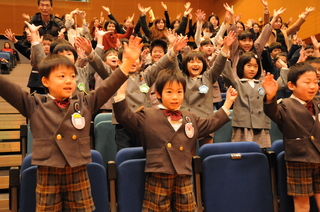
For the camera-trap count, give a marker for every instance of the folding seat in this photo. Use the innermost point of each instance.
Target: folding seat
(97, 177)
(131, 179)
(104, 137)
(235, 177)
(277, 146)
(6, 67)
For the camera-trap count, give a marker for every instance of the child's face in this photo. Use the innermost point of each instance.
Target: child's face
(274, 52)
(246, 44)
(172, 95)
(306, 86)
(176, 25)
(6, 45)
(278, 64)
(195, 67)
(317, 67)
(61, 82)
(160, 25)
(256, 28)
(207, 49)
(68, 54)
(310, 52)
(111, 27)
(157, 53)
(46, 46)
(112, 60)
(250, 69)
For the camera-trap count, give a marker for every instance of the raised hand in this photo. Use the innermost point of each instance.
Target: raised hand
(171, 36)
(231, 96)
(10, 36)
(61, 33)
(270, 86)
(107, 9)
(32, 27)
(309, 9)
(230, 38)
(84, 44)
(187, 12)
(180, 43)
(265, 3)
(201, 16)
(164, 6)
(187, 5)
(229, 9)
(143, 10)
(26, 16)
(132, 50)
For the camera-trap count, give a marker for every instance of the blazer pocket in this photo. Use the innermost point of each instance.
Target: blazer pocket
(41, 148)
(154, 158)
(296, 147)
(85, 147)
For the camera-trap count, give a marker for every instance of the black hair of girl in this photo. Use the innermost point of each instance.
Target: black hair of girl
(244, 59)
(169, 75)
(216, 16)
(280, 54)
(244, 35)
(173, 22)
(109, 22)
(65, 47)
(242, 24)
(206, 42)
(157, 20)
(191, 56)
(276, 20)
(53, 61)
(4, 45)
(208, 25)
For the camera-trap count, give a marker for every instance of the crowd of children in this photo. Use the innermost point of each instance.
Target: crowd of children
(77, 70)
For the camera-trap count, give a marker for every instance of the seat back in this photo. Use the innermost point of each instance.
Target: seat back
(277, 146)
(97, 177)
(224, 133)
(131, 179)
(286, 201)
(228, 147)
(104, 137)
(241, 184)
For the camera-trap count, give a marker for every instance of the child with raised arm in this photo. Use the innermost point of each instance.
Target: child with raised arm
(60, 125)
(169, 137)
(298, 119)
(249, 123)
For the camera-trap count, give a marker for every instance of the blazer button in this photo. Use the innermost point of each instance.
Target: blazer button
(59, 136)
(169, 145)
(74, 137)
(181, 148)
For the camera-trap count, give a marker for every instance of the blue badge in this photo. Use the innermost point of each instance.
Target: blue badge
(261, 91)
(203, 89)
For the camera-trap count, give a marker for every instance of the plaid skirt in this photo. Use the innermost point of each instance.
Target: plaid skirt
(260, 136)
(303, 179)
(168, 192)
(63, 189)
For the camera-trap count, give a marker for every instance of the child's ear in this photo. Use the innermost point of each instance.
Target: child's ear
(291, 86)
(45, 82)
(158, 95)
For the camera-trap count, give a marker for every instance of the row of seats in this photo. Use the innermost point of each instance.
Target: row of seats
(9, 63)
(228, 177)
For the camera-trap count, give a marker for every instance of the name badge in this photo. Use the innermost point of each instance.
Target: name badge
(261, 91)
(203, 89)
(189, 129)
(78, 121)
(144, 88)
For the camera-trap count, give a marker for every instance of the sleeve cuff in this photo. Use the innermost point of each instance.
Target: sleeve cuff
(119, 98)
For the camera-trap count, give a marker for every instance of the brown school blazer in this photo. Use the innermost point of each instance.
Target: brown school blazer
(167, 151)
(56, 141)
(301, 133)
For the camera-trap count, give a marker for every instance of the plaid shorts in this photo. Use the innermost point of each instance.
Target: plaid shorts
(303, 179)
(168, 192)
(63, 189)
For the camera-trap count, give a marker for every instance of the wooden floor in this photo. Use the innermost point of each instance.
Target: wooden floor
(10, 119)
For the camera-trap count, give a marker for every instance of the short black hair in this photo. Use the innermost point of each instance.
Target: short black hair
(192, 55)
(53, 61)
(169, 75)
(159, 42)
(109, 51)
(208, 25)
(65, 47)
(297, 70)
(205, 42)
(51, 2)
(56, 42)
(49, 37)
(244, 59)
(275, 45)
(280, 54)
(109, 22)
(313, 60)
